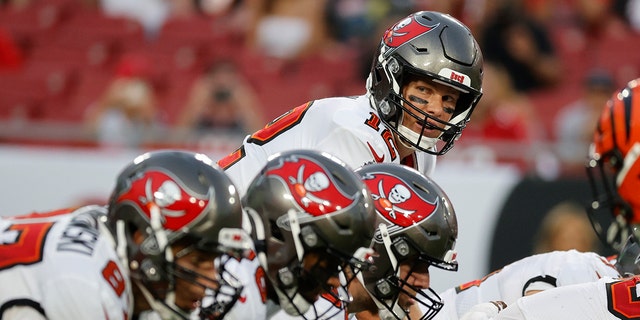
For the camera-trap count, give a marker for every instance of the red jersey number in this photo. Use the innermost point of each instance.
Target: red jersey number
(624, 299)
(273, 129)
(22, 244)
(114, 277)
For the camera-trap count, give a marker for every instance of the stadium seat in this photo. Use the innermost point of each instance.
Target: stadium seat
(20, 98)
(37, 20)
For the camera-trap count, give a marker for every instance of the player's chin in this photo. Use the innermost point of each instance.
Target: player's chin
(188, 305)
(189, 300)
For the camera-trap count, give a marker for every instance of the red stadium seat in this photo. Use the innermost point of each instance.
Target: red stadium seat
(37, 20)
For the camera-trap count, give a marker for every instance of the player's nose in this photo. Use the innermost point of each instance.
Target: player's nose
(420, 280)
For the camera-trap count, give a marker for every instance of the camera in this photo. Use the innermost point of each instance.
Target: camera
(222, 95)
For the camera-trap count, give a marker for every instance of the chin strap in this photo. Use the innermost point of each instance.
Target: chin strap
(425, 142)
(291, 301)
(383, 311)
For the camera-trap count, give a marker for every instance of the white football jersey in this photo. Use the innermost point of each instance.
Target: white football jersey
(605, 299)
(345, 127)
(61, 265)
(536, 272)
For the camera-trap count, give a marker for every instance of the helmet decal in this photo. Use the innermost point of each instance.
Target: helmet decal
(177, 206)
(310, 186)
(396, 202)
(404, 31)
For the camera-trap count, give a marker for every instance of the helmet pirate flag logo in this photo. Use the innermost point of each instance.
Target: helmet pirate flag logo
(177, 207)
(405, 31)
(396, 202)
(310, 186)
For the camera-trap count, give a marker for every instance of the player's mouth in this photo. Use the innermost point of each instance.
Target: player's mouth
(427, 126)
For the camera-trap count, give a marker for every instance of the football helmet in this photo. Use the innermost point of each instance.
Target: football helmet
(613, 168)
(305, 203)
(175, 198)
(429, 45)
(628, 260)
(418, 227)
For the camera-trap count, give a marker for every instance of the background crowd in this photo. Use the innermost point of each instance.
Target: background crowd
(119, 73)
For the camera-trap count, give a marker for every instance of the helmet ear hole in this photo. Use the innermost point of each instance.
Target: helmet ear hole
(388, 110)
(275, 231)
(617, 159)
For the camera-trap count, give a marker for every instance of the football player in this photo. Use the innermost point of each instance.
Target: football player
(149, 251)
(524, 277)
(425, 81)
(311, 217)
(613, 170)
(417, 230)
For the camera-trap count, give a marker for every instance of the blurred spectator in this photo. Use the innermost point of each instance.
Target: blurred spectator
(521, 44)
(358, 24)
(17, 4)
(566, 226)
(288, 29)
(11, 57)
(598, 19)
(351, 21)
(233, 15)
(632, 14)
(503, 120)
(222, 101)
(151, 14)
(125, 115)
(470, 12)
(575, 122)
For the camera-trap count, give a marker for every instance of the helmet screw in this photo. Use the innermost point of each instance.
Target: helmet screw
(286, 277)
(402, 248)
(394, 66)
(385, 108)
(309, 237)
(384, 288)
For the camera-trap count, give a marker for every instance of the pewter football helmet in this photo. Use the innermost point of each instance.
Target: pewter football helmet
(308, 202)
(432, 45)
(169, 198)
(418, 227)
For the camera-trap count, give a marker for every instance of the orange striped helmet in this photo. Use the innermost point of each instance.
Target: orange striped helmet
(613, 167)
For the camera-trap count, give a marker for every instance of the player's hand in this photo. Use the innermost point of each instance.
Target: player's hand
(484, 311)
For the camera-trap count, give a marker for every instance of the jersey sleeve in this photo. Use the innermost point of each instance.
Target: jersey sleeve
(579, 301)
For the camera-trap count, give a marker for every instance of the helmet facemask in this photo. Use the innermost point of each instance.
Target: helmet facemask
(157, 272)
(601, 172)
(217, 303)
(306, 276)
(628, 260)
(395, 107)
(396, 262)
